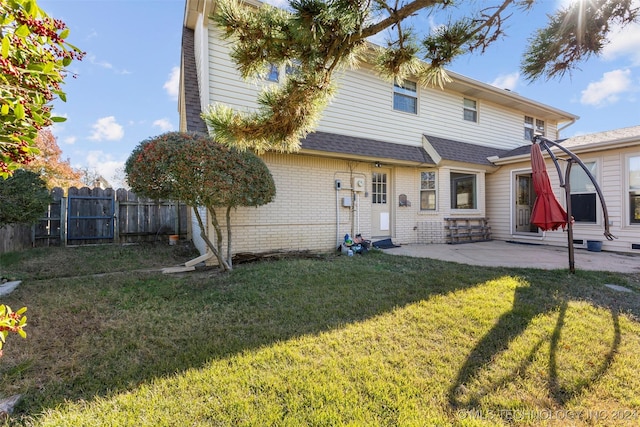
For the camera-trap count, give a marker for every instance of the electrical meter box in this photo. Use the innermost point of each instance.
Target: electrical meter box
(358, 184)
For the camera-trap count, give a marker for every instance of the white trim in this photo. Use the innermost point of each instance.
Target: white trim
(201, 41)
(626, 204)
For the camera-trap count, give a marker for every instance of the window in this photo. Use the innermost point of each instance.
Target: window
(379, 188)
(470, 110)
(405, 97)
(293, 68)
(530, 130)
(463, 191)
(583, 193)
(634, 190)
(427, 191)
(273, 74)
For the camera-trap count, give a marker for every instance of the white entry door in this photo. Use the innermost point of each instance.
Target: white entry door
(381, 203)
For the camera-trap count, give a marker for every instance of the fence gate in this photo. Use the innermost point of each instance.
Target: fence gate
(90, 215)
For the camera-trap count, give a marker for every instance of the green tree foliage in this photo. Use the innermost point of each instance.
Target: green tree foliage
(11, 322)
(34, 57)
(319, 37)
(200, 172)
(23, 198)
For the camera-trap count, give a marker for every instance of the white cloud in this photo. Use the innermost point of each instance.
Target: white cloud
(624, 43)
(506, 81)
(70, 140)
(608, 89)
(172, 85)
(108, 66)
(164, 125)
(103, 64)
(108, 129)
(110, 168)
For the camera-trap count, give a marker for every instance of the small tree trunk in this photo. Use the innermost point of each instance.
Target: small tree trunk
(229, 254)
(205, 237)
(216, 225)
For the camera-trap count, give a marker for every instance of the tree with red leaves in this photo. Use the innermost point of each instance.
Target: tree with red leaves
(201, 172)
(48, 164)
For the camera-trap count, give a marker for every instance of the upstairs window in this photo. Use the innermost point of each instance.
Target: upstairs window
(470, 110)
(583, 194)
(463, 191)
(533, 127)
(428, 191)
(405, 97)
(273, 74)
(292, 69)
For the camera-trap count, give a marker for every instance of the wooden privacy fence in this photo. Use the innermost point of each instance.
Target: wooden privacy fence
(94, 215)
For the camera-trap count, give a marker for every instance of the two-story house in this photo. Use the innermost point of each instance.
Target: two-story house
(402, 162)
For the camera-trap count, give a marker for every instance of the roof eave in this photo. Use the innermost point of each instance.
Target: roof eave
(586, 148)
(364, 159)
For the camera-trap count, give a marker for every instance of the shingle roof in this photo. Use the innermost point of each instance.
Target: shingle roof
(520, 151)
(600, 137)
(190, 81)
(334, 143)
(617, 135)
(450, 149)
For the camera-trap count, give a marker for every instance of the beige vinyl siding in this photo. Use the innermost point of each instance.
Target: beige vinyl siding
(611, 177)
(363, 107)
(496, 127)
(614, 186)
(225, 84)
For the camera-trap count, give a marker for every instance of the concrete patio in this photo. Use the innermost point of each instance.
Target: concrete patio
(497, 253)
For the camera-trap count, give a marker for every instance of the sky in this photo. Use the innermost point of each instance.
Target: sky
(125, 90)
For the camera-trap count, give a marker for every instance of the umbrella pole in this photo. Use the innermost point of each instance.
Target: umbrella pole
(567, 192)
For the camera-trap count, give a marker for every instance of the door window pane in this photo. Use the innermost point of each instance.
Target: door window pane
(379, 188)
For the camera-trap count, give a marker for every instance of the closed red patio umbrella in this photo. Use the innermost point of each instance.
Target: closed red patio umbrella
(547, 212)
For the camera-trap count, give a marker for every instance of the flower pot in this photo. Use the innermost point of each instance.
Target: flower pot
(173, 239)
(594, 245)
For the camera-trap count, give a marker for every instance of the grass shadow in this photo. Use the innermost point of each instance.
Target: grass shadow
(512, 324)
(95, 336)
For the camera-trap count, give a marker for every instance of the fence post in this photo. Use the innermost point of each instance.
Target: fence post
(116, 225)
(63, 221)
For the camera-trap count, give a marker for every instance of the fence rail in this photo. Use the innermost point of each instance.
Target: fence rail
(94, 215)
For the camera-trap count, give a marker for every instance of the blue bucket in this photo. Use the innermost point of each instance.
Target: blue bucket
(594, 245)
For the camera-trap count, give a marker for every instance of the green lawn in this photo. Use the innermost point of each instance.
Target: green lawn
(362, 341)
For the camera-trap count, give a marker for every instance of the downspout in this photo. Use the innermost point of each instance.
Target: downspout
(337, 212)
(566, 126)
